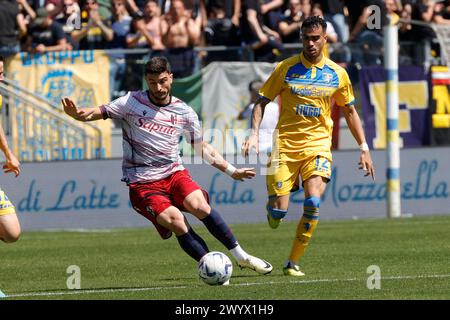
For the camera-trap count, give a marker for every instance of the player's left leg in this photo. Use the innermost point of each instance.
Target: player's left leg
(9, 227)
(314, 188)
(315, 172)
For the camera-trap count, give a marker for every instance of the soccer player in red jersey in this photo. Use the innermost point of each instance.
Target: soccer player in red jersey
(160, 187)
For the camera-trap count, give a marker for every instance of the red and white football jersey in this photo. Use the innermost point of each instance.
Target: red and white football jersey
(151, 135)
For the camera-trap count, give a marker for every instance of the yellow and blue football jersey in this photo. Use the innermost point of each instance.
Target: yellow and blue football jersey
(306, 93)
(6, 207)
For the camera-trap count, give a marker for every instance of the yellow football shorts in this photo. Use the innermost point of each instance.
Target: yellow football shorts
(6, 207)
(284, 171)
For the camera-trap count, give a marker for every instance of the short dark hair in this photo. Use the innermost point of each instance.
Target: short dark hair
(157, 65)
(148, 1)
(313, 22)
(2, 59)
(217, 4)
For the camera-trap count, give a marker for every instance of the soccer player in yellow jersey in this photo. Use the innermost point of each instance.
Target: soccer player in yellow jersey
(9, 224)
(306, 84)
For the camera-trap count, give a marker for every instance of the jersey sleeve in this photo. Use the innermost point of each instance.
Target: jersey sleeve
(116, 109)
(273, 85)
(344, 95)
(192, 128)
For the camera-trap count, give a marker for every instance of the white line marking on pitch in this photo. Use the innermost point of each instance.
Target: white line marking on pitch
(87, 291)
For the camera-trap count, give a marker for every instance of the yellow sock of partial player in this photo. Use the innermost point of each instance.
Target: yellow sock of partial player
(305, 228)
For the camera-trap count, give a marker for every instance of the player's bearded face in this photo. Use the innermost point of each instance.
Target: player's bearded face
(313, 41)
(160, 86)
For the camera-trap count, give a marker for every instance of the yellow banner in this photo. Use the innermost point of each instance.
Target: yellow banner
(81, 75)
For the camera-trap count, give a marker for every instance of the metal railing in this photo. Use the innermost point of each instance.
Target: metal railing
(38, 130)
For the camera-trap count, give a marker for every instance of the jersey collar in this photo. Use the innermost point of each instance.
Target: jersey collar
(157, 104)
(308, 64)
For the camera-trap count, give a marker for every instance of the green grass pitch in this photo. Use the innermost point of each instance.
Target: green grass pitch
(413, 255)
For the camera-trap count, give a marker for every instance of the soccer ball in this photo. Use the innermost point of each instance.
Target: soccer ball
(215, 268)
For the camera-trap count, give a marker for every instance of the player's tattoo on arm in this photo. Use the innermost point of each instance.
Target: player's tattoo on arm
(258, 113)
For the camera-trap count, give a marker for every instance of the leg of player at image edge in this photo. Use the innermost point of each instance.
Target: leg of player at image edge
(2, 295)
(305, 228)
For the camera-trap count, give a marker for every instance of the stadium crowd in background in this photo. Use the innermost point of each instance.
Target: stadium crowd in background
(175, 27)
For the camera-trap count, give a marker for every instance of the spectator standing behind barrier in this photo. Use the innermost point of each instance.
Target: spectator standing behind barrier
(54, 7)
(272, 14)
(25, 17)
(146, 32)
(423, 10)
(332, 35)
(235, 8)
(221, 31)
(232, 8)
(405, 29)
(442, 13)
(120, 25)
(180, 34)
(95, 30)
(290, 25)
(339, 52)
(265, 43)
(334, 12)
(71, 14)
(369, 41)
(391, 11)
(9, 28)
(45, 34)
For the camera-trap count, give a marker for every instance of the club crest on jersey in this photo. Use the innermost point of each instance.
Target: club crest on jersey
(144, 113)
(279, 185)
(327, 77)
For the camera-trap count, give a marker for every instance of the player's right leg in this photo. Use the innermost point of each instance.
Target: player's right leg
(9, 227)
(277, 208)
(9, 223)
(283, 174)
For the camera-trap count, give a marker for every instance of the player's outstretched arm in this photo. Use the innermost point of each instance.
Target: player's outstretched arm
(214, 158)
(354, 124)
(81, 114)
(257, 115)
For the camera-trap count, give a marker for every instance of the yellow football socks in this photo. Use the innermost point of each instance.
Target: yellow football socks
(305, 228)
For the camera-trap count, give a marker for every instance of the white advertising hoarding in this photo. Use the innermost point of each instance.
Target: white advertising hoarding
(89, 194)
